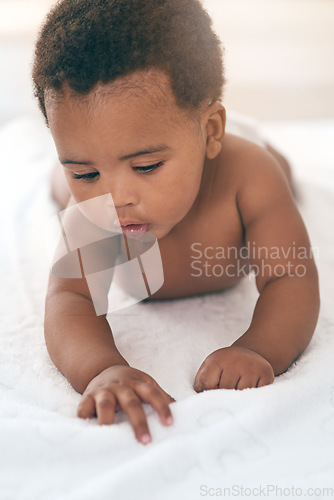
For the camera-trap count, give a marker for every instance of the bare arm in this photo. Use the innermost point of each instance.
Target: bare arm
(79, 342)
(81, 345)
(286, 312)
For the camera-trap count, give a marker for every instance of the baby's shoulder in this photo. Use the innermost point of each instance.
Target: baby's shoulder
(242, 164)
(241, 159)
(254, 177)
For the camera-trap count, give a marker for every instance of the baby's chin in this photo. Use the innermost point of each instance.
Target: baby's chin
(160, 231)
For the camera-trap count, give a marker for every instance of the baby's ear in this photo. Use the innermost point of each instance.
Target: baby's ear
(216, 119)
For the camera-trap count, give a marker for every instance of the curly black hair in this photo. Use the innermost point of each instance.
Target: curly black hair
(85, 42)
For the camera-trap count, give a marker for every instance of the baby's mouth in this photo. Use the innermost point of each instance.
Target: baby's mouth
(134, 227)
(131, 229)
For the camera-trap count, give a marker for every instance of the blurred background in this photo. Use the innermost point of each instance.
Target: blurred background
(279, 56)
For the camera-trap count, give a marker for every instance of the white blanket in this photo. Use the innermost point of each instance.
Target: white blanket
(274, 437)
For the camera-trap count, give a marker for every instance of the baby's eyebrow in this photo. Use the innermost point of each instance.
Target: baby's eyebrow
(147, 151)
(65, 161)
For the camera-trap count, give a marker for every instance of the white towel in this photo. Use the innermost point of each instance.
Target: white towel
(278, 436)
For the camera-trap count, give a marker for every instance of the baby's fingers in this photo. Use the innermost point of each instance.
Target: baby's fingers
(131, 404)
(160, 389)
(86, 407)
(158, 399)
(105, 403)
(266, 379)
(207, 377)
(247, 382)
(101, 404)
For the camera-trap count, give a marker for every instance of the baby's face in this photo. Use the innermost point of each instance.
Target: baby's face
(134, 143)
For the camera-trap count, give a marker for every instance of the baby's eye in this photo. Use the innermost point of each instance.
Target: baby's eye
(149, 168)
(86, 177)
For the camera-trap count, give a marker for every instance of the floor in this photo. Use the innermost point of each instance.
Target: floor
(278, 56)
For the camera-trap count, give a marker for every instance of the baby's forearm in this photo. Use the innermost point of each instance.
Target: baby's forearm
(284, 320)
(79, 343)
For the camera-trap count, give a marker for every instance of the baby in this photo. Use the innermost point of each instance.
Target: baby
(131, 91)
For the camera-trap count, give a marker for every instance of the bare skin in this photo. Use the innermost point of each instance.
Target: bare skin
(207, 188)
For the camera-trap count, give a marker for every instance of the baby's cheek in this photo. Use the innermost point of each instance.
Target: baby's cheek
(182, 204)
(80, 191)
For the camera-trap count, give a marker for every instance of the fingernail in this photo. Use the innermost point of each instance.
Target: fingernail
(146, 438)
(169, 420)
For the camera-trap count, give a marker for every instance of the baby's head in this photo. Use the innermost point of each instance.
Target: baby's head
(85, 42)
(135, 82)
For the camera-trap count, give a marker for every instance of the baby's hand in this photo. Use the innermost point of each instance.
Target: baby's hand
(233, 367)
(123, 387)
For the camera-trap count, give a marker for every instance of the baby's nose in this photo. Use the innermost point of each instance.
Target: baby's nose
(123, 194)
